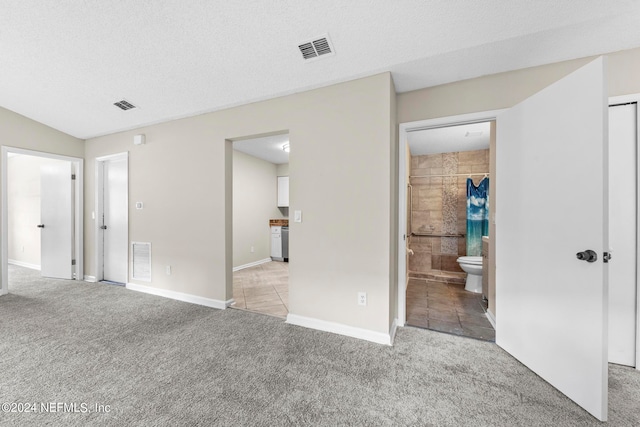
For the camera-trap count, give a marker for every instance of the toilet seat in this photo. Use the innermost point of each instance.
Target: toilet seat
(474, 260)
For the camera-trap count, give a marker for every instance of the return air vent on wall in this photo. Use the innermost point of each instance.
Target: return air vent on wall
(141, 254)
(318, 48)
(124, 105)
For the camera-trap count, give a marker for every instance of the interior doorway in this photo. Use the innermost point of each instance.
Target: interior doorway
(112, 218)
(261, 224)
(449, 171)
(45, 213)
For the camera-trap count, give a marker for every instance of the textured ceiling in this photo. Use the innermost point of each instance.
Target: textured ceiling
(469, 137)
(267, 148)
(64, 63)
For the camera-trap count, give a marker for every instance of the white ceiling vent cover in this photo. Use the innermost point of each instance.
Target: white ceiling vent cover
(319, 47)
(141, 253)
(124, 105)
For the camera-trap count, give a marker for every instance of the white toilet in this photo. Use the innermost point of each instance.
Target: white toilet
(472, 265)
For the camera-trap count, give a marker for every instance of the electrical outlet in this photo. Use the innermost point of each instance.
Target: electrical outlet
(168, 270)
(252, 250)
(362, 298)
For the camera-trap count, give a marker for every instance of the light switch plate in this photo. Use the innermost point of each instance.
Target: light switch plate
(297, 216)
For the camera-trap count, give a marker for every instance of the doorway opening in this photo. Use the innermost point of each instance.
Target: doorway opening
(261, 224)
(42, 214)
(449, 170)
(112, 219)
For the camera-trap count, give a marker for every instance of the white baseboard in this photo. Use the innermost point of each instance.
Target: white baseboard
(24, 264)
(91, 279)
(340, 329)
(193, 299)
(252, 264)
(491, 318)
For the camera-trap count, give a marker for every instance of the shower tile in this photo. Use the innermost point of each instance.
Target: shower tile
(435, 262)
(450, 163)
(449, 263)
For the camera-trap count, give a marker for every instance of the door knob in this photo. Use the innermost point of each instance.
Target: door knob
(40, 225)
(588, 255)
(104, 227)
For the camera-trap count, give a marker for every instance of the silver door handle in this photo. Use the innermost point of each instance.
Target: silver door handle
(40, 225)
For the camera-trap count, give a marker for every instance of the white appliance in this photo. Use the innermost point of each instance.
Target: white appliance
(276, 243)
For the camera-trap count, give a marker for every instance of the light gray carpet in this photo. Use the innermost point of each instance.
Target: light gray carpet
(159, 362)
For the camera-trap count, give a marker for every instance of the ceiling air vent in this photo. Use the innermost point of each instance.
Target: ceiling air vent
(124, 105)
(317, 48)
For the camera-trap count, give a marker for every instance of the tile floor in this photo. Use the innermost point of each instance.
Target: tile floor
(263, 288)
(447, 307)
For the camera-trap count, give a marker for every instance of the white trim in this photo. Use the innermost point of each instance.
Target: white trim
(340, 329)
(90, 279)
(252, 264)
(23, 264)
(78, 249)
(179, 296)
(623, 99)
(404, 128)
(393, 330)
(491, 318)
(99, 189)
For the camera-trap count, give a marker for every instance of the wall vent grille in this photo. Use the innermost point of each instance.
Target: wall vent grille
(141, 254)
(317, 48)
(124, 105)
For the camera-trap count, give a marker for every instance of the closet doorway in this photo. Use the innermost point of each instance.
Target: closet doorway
(112, 218)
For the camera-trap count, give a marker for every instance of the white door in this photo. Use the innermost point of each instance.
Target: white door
(551, 183)
(114, 226)
(622, 233)
(56, 220)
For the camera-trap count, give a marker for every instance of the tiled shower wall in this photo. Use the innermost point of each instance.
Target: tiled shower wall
(439, 206)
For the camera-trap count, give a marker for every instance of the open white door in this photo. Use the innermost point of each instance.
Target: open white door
(552, 204)
(56, 220)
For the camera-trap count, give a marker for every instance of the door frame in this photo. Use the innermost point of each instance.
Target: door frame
(78, 165)
(624, 99)
(99, 209)
(405, 128)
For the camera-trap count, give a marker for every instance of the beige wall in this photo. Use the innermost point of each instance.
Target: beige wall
(254, 203)
(340, 172)
(283, 169)
(21, 132)
(23, 208)
(507, 89)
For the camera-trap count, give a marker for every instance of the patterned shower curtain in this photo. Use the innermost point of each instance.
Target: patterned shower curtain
(477, 215)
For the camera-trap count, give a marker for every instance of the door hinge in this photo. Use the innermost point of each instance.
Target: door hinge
(73, 176)
(73, 262)
(606, 256)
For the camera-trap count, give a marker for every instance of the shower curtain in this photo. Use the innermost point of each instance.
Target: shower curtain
(477, 215)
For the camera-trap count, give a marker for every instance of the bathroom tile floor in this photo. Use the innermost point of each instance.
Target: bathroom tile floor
(447, 307)
(263, 289)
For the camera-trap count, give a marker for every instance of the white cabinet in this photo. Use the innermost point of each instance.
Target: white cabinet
(276, 243)
(283, 191)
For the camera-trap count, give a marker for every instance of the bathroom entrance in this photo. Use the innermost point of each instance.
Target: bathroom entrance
(448, 205)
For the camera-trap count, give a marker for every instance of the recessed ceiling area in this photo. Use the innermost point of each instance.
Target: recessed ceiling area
(268, 148)
(65, 63)
(468, 137)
